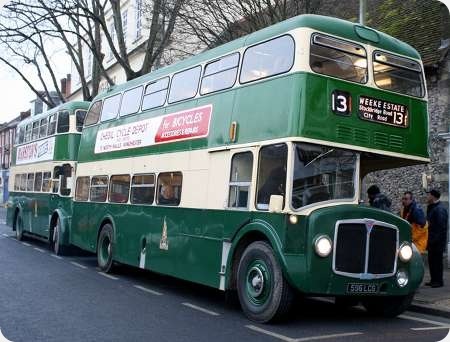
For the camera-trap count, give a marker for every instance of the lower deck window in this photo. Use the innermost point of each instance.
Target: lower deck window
(46, 181)
(82, 189)
(99, 188)
(240, 180)
(169, 188)
(119, 188)
(142, 189)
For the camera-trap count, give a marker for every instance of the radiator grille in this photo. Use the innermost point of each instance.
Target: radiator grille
(365, 249)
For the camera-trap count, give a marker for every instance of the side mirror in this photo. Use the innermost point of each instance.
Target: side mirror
(276, 204)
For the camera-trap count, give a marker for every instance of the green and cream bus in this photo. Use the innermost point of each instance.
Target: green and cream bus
(43, 163)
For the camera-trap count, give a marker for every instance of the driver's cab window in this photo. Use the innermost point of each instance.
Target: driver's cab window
(240, 180)
(271, 174)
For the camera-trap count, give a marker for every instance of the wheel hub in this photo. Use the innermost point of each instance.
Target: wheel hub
(257, 280)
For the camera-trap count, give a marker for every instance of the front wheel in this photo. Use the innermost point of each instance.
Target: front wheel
(263, 292)
(387, 306)
(19, 227)
(105, 248)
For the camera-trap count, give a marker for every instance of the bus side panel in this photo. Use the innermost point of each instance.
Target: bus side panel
(81, 229)
(66, 146)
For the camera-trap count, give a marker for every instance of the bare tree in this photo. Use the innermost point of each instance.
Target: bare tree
(215, 22)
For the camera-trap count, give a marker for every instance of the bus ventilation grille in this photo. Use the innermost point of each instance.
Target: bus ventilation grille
(362, 252)
(352, 135)
(388, 141)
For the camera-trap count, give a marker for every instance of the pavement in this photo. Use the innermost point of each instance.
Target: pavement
(433, 301)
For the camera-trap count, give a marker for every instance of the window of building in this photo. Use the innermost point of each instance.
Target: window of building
(38, 181)
(82, 189)
(99, 188)
(220, 74)
(240, 180)
(21, 135)
(17, 182)
(142, 189)
(338, 58)
(28, 133)
(80, 116)
(398, 74)
(93, 114)
(43, 128)
(119, 188)
(155, 94)
(63, 121)
(46, 181)
(270, 58)
(30, 182)
(138, 14)
(51, 124)
(131, 101)
(23, 182)
(110, 107)
(184, 84)
(125, 26)
(35, 132)
(169, 188)
(271, 174)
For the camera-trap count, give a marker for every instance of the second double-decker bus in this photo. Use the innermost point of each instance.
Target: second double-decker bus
(41, 175)
(241, 168)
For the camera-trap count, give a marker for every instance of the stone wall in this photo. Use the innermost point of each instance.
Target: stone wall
(395, 182)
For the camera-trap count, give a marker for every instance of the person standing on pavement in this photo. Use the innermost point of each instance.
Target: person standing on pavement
(414, 214)
(437, 217)
(377, 199)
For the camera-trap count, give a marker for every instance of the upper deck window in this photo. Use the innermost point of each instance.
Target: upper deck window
(155, 94)
(43, 128)
(131, 101)
(110, 107)
(93, 113)
(52, 124)
(63, 122)
(21, 135)
(28, 133)
(338, 58)
(220, 74)
(270, 58)
(35, 133)
(184, 84)
(80, 116)
(398, 74)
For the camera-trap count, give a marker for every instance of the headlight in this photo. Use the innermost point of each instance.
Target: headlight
(405, 252)
(402, 278)
(323, 246)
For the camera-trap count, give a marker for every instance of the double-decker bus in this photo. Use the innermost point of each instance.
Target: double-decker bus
(240, 168)
(41, 176)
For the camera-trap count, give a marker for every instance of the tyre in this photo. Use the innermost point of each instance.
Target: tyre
(387, 306)
(263, 292)
(19, 227)
(56, 244)
(105, 248)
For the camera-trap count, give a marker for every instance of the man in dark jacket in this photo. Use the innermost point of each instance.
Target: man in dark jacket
(377, 199)
(437, 217)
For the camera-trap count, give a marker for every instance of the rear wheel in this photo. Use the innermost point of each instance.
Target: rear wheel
(387, 306)
(105, 248)
(19, 227)
(263, 292)
(56, 244)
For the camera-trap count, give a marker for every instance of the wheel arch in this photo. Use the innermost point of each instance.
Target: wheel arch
(17, 211)
(257, 230)
(65, 221)
(108, 219)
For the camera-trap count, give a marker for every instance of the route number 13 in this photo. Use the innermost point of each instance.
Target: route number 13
(341, 102)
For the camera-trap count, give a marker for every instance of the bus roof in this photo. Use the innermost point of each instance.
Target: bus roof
(72, 105)
(331, 25)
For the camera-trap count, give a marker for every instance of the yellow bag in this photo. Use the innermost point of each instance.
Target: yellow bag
(420, 236)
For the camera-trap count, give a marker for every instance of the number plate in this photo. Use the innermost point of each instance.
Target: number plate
(362, 288)
(384, 112)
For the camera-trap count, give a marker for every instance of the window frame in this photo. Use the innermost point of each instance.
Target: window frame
(77, 187)
(119, 94)
(49, 180)
(53, 115)
(35, 179)
(35, 126)
(180, 72)
(99, 186)
(58, 121)
(221, 71)
(76, 118)
(143, 186)
(248, 184)
(110, 184)
(271, 75)
(139, 103)
(157, 192)
(366, 55)
(42, 126)
(165, 97)
(99, 113)
(28, 181)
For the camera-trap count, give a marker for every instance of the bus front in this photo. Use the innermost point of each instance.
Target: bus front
(363, 109)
